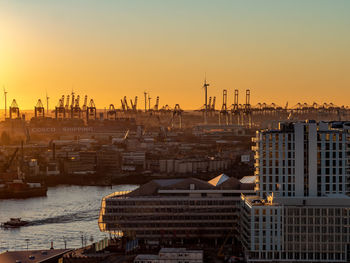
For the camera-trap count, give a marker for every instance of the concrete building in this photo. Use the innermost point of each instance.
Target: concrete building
(303, 159)
(181, 211)
(108, 160)
(134, 159)
(192, 165)
(172, 255)
(301, 212)
(33, 256)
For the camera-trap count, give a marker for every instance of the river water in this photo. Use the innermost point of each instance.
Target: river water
(68, 213)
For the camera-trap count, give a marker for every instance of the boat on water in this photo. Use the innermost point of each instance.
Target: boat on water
(14, 223)
(18, 189)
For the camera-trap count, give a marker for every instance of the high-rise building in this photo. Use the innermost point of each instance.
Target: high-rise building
(303, 159)
(301, 210)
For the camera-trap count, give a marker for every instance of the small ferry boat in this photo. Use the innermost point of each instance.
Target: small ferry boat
(14, 223)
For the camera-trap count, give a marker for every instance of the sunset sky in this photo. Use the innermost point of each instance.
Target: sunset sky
(297, 50)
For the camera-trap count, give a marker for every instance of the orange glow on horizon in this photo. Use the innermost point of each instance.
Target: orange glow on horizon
(114, 50)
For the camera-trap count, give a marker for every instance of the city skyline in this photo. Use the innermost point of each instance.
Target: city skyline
(292, 51)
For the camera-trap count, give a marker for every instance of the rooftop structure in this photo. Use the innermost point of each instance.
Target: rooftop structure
(170, 255)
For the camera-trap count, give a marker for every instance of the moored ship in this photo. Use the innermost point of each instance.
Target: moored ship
(18, 189)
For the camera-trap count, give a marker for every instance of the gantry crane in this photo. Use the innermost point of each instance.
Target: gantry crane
(60, 110)
(14, 110)
(91, 111)
(111, 113)
(75, 109)
(39, 111)
(235, 111)
(224, 112)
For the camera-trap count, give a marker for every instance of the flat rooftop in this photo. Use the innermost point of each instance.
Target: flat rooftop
(178, 250)
(146, 257)
(31, 256)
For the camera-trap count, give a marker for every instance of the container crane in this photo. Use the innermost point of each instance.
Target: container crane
(91, 110)
(14, 110)
(67, 103)
(39, 110)
(126, 104)
(85, 103)
(223, 111)
(60, 110)
(134, 104)
(236, 116)
(111, 113)
(76, 110)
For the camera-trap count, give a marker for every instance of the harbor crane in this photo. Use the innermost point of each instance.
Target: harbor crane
(235, 111)
(111, 113)
(83, 108)
(91, 111)
(156, 106)
(72, 99)
(134, 104)
(60, 110)
(123, 105)
(126, 104)
(75, 109)
(209, 104)
(39, 111)
(149, 103)
(247, 111)
(14, 110)
(212, 107)
(67, 103)
(8, 164)
(224, 112)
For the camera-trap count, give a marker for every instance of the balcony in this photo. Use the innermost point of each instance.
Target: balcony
(255, 148)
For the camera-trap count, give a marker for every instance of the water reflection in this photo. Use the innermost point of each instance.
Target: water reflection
(68, 214)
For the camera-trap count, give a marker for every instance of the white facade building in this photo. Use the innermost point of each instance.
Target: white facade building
(301, 212)
(303, 159)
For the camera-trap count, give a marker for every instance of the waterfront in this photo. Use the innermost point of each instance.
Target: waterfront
(67, 213)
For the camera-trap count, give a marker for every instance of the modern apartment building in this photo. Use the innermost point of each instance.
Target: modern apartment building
(301, 210)
(172, 211)
(303, 159)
